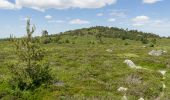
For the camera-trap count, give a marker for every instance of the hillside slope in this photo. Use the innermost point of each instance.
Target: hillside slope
(112, 32)
(83, 68)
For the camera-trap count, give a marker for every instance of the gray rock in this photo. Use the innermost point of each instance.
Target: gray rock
(131, 64)
(157, 52)
(59, 84)
(109, 50)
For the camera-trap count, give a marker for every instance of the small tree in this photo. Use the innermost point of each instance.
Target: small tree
(31, 70)
(144, 40)
(153, 41)
(11, 37)
(44, 33)
(99, 37)
(45, 37)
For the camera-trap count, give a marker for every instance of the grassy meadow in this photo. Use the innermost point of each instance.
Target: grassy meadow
(83, 69)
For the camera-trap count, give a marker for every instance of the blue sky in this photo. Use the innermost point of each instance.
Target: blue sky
(62, 15)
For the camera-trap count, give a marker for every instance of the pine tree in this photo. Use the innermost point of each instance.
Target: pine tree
(45, 33)
(31, 71)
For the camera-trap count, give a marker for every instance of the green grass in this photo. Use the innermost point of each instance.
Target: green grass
(88, 71)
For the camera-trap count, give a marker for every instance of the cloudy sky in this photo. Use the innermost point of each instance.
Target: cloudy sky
(62, 15)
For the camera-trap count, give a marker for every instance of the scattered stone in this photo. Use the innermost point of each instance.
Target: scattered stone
(122, 89)
(144, 46)
(131, 64)
(141, 98)
(109, 50)
(58, 84)
(157, 52)
(165, 52)
(163, 72)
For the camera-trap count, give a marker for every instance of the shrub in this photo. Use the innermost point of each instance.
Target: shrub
(46, 40)
(73, 42)
(153, 41)
(99, 37)
(126, 43)
(123, 38)
(67, 41)
(57, 39)
(144, 40)
(151, 45)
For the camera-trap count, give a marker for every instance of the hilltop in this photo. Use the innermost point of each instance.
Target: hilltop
(112, 32)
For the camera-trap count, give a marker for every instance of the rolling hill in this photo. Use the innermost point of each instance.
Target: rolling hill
(83, 67)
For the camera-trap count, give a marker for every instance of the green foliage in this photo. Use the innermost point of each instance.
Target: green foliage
(31, 71)
(112, 32)
(99, 37)
(67, 41)
(46, 40)
(57, 39)
(153, 41)
(151, 45)
(126, 43)
(144, 40)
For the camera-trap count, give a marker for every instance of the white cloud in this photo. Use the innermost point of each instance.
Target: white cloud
(100, 14)
(48, 17)
(150, 22)
(63, 4)
(118, 13)
(56, 21)
(56, 4)
(140, 20)
(79, 21)
(157, 26)
(5, 4)
(151, 1)
(112, 20)
(157, 22)
(160, 23)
